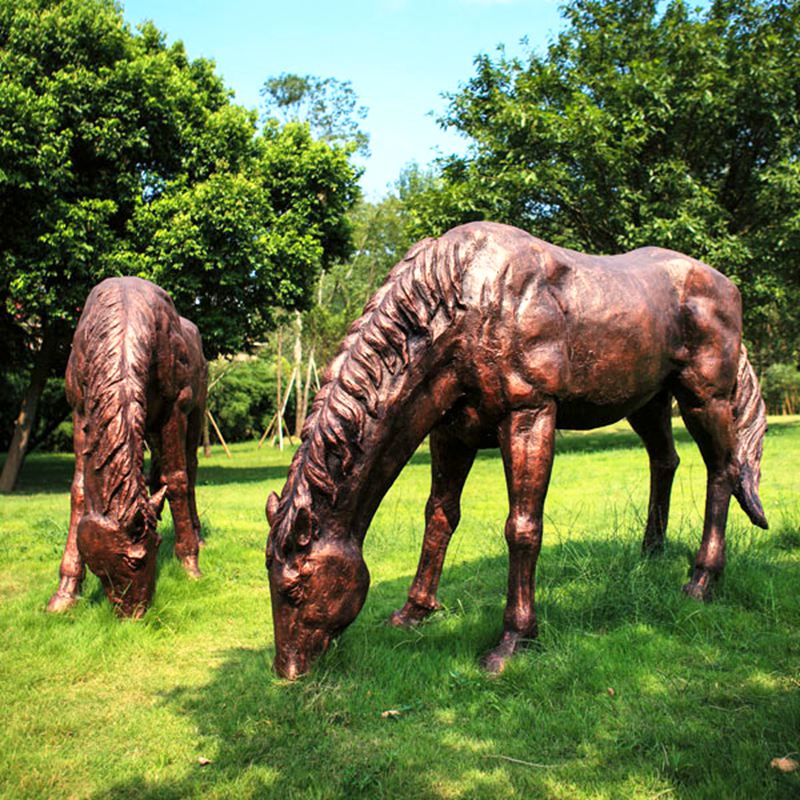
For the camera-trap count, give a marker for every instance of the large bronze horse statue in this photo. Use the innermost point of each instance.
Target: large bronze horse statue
(485, 337)
(136, 372)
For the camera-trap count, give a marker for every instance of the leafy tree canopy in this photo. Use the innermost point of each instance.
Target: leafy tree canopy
(381, 236)
(328, 106)
(120, 155)
(645, 124)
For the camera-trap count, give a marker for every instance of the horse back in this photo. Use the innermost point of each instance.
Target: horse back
(599, 334)
(130, 326)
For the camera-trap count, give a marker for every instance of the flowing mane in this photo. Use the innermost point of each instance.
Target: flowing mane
(428, 280)
(116, 376)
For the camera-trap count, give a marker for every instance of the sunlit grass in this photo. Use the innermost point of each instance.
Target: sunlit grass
(632, 691)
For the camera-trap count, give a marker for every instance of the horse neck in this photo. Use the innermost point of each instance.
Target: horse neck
(390, 383)
(409, 403)
(115, 418)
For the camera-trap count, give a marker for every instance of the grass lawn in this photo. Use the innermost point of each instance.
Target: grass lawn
(633, 692)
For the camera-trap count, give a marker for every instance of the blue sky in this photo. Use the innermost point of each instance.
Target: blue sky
(400, 56)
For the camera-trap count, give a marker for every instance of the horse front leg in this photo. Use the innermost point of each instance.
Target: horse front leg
(527, 441)
(711, 426)
(451, 461)
(653, 424)
(176, 475)
(72, 570)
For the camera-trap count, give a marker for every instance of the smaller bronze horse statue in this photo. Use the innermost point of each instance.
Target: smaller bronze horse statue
(485, 337)
(136, 372)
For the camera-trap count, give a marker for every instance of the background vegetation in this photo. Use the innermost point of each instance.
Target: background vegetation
(643, 123)
(634, 691)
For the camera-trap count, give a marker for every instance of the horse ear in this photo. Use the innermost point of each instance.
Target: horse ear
(156, 501)
(303, 528)
(272, 507)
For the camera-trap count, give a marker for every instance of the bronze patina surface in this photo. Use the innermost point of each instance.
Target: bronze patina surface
(136, 372)
(488, 336)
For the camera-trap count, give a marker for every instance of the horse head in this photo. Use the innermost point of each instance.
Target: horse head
(122, 552)
(318, 583)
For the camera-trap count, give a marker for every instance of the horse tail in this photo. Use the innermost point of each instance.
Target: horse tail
(751, 426)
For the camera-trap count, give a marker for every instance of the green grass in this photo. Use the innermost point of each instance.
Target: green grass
(703, 696)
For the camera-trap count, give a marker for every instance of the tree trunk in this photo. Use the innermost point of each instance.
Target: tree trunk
(279, 399)
(206, 437)
(27, 415)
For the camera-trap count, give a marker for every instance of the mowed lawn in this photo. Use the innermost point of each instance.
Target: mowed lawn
(632, 692)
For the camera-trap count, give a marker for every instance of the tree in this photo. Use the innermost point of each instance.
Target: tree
(119, 155)
(328, 106)
(646, 123)
(232, 247)
(381, 237)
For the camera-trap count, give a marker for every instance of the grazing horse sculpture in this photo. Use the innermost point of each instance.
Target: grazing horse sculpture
(136, 372)
(490, 336)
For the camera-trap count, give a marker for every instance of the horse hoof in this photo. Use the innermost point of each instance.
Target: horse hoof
(411, 614)
(61, 602)
(191, 566)
(494, 663)
(697, 592)
(399, 619)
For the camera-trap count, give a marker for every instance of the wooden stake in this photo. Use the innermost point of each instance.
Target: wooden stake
(219, 434)
(307, 386)
(316, 374)
(278, 403)
(300, 409)
(283, 412)
(266, 431)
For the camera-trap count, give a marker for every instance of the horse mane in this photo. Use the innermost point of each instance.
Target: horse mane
(115, 378)
(428, 280)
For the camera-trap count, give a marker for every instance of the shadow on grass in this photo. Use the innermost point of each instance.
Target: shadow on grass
(607, 618)
(220, 475)
(45, 473)
(51, 473)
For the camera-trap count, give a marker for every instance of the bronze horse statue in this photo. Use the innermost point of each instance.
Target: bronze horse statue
(488, 336)
(136, 372)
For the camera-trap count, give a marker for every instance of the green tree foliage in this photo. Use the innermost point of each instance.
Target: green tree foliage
(781, 388)
(328, 106)
(646, 123)
(231, 247)
(242, 396)
(119, 155)
(381, 236)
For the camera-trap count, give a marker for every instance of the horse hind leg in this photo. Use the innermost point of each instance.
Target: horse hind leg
(176, 475)
(451, 461)
(711, 424)
(653, 424)
(194, 429)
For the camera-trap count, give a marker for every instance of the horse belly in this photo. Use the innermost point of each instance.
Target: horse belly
(585, 415)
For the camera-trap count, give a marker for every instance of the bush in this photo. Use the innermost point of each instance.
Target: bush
(781, 389)
(243, 399)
